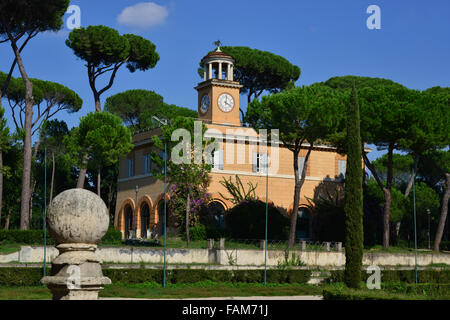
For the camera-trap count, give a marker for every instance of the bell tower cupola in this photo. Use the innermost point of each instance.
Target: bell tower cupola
(218, 93)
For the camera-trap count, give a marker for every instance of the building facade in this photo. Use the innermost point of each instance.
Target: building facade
(140, 198)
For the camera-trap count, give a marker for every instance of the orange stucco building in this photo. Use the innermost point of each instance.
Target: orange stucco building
(140, 197)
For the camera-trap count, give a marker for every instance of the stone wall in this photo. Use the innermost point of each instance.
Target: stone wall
(236, 257)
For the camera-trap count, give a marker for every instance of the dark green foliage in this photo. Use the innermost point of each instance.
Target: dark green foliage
(133, 276)
(112, 236)
(353, 207)
(237, 190)
(103, 46)
(196, 233)
(21, 276)
(247, 221)
(30, 17)
(36, 237)
(187, 275)
(259, 71)
(136, 108)
(102, 136)
(32, 276)
(248, 276)
(49, 98)
(405, 276)
(328, 217)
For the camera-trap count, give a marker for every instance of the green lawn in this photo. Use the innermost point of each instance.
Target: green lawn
(156, 291)
(211, 289)
(6, 248)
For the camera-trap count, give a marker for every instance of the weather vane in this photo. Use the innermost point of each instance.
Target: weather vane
(218, 44)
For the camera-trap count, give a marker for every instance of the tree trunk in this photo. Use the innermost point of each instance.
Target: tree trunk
(387, 197)
(443, 217)
(188, 208)
(83, 170)
(294, 213)
(1, 184)
(8, 215)
(98, 183)
(27, 148)
(53, 176)
(33, 183)
(298, 186)
(98, 106)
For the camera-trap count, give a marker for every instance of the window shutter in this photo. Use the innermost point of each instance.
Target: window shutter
(221, 160)
(265, 164)
(342, 166)
(301, 163)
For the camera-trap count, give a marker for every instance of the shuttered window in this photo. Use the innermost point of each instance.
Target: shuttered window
(342, 167)
(260, 162)
(217, 159)
(146, 163)
(130, 167)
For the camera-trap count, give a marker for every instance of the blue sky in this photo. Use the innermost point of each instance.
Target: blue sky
(325, 38)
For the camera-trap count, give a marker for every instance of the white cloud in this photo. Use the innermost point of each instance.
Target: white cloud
(143, 15)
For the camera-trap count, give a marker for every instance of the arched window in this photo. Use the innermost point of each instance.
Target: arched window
(128, 221)
(217, 212)
(145, 221)
(302, 229)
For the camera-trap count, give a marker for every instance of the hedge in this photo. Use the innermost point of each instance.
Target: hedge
(391, 291)
(32, 276)
(406, 276)
(36, 237)
(24, 236)
(22, 276)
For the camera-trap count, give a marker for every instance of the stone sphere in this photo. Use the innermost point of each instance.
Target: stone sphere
(77, 216)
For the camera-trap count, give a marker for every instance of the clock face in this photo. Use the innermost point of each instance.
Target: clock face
(204, 106)
(226, 102)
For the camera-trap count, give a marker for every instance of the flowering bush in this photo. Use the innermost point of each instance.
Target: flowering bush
(177, 204)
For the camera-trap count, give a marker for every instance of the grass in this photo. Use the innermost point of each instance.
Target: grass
(151, 290)
(390, 291)
(6, 248)
(172, 291)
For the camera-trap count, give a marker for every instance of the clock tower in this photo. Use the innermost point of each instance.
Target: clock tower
(218, 93)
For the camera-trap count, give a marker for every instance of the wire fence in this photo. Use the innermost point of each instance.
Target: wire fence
(244, 244)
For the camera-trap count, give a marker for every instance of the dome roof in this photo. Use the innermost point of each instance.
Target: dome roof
(217, 54)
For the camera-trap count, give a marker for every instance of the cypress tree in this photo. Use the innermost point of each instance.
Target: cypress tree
(353, 196)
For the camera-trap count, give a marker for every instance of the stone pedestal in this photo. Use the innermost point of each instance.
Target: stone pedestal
(77, 220)
(76, 273)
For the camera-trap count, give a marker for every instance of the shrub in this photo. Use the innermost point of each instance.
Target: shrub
(248, 276)
(405, 276)
(32, 276)
(298, 276)
(22, 276)
(112, 236)
(36, 237)
(32, 237)
(187, 275)
(445, 245)
(133, 276)
(247, 221)
(196, 233)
